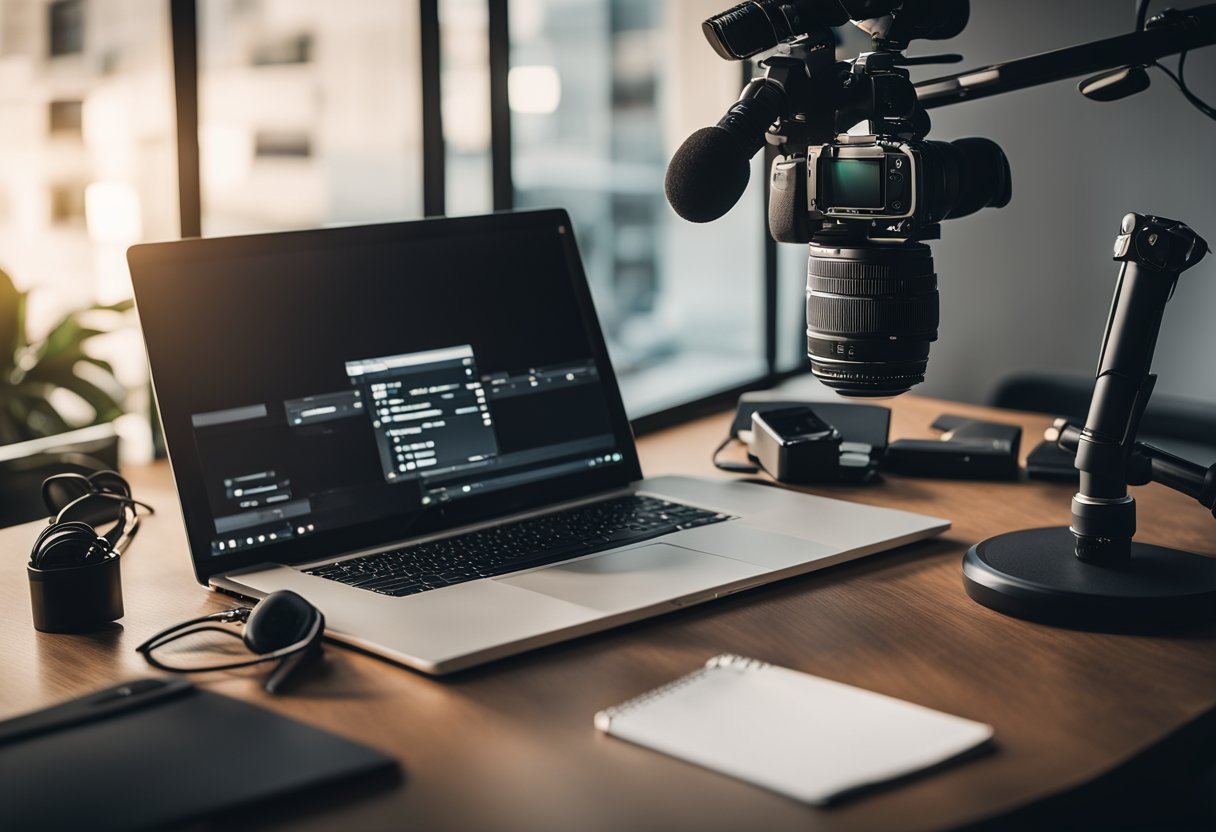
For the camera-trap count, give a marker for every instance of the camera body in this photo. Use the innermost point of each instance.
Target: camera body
(868, 178)
(884, 189)
(852, 174)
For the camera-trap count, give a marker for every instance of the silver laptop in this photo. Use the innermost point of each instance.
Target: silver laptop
(416, 427)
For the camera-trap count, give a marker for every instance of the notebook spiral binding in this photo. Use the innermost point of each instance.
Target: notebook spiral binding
(730, 660)
(604, 718)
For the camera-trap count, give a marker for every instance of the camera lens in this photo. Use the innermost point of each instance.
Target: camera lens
(751, 28)
(871, 313)
(963, 176)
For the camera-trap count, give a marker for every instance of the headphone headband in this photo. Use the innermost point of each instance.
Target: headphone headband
(77, 503)
(288, 655)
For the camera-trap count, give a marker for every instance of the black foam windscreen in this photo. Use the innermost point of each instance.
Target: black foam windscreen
(707, 175)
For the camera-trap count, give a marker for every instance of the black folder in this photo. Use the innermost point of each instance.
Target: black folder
(155, 753)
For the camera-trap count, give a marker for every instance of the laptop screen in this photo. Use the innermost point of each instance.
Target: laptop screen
(327, 391)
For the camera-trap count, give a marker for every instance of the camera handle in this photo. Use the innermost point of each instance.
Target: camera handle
(1092, 574)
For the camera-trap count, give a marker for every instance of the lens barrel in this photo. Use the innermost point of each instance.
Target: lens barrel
(871, 313)
(963, 176)
(756, 26)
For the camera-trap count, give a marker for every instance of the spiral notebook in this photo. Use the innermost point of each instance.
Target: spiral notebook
(802, 736)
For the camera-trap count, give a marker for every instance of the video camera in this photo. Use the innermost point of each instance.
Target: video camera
(863, 202)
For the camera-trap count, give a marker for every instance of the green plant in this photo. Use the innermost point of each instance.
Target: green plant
(30, 370)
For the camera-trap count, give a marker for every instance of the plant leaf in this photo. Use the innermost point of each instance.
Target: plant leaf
(44, 419)
(28, 415)
(11, 428)
(56, 372)
(65, 335)
(105, 406)
(122, 306)
(97, 362)
(12, 329)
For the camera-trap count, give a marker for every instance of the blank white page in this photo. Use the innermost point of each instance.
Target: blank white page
(797, 734)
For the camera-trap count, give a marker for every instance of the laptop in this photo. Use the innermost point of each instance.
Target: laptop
(416, 427)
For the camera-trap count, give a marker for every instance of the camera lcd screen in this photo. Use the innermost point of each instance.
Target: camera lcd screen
(855, 183)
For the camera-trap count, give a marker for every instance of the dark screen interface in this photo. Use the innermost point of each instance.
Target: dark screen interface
(855, 183)
(374, 384)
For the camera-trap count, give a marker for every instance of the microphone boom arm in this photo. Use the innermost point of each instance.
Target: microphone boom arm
(1172, 32)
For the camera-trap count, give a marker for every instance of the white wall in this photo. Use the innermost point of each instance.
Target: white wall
(1028, 287)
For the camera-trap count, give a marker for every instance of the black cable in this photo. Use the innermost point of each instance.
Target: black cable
(1180, 79)
(732, 467)
(1141, 15)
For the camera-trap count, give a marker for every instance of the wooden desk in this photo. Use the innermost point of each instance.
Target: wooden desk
(511, 745)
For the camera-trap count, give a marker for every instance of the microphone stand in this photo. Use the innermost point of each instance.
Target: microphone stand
(1092, 574)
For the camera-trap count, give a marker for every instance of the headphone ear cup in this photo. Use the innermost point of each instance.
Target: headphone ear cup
(279, 620)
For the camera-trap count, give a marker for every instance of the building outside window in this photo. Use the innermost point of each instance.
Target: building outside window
(310, 114)
(602, 93)
(87, 167)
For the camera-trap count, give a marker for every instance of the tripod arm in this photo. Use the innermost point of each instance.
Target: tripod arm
(1150, 464)
(1170, 33)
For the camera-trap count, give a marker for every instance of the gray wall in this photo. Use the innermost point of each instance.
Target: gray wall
(1028, 287)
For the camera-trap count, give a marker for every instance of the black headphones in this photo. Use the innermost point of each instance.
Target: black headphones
(282, 628)
(78, 504)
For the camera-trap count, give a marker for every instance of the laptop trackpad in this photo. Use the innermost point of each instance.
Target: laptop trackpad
(634, 578)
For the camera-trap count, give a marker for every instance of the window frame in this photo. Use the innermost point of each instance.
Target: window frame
(184, 34)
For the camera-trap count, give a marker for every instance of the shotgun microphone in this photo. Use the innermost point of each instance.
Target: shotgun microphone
(709, 172)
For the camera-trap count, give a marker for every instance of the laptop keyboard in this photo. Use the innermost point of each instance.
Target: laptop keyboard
(501, 549)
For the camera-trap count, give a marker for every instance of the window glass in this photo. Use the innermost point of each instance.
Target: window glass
(87, 168)
(465, 87)
(309, 113)
(602, 94)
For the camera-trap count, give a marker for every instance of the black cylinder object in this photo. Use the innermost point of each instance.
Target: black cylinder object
(76, 599)
(871, 313)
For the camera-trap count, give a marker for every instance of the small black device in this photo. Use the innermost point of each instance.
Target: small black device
(795, 446)
(75, 582)
(968, 449)
(282, 628)
(1047, 462)
(806, 429)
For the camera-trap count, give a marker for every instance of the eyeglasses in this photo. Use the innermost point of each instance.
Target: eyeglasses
(283, 628)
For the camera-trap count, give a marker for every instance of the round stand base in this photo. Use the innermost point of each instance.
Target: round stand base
(1035, 574)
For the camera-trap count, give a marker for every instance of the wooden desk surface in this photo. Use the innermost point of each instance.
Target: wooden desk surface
(511, 745)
